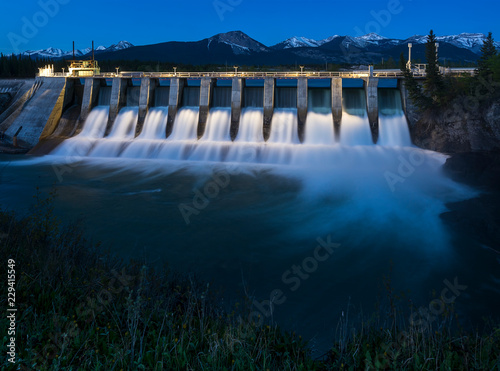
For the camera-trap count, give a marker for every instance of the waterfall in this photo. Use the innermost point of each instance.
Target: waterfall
(185, 125)
(218, 125)
(184, 135)
(319, 129)
(282, 147)
(393, 127)
(284, 138)
(155, 124)
(122, 132)
(284, 126)
(215, 141)
(152, 135)
(355, 127)
(93, 128)
(251, 125)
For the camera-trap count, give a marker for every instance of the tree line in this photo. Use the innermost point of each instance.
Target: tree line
(438, 90)
(21, 65)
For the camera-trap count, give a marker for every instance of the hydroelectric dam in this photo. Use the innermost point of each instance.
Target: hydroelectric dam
(114, 114)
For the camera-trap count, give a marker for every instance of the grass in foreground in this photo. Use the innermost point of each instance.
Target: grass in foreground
(81, 310)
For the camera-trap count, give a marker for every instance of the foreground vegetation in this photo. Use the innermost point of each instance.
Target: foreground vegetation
(81, 309)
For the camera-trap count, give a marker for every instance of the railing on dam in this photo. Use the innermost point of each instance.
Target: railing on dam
(290, 74)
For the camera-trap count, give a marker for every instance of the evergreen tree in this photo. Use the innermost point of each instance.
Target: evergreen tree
(488, 51)
(434, 83)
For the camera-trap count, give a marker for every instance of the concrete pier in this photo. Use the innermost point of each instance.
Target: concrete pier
(302, 97)
(269, 84)
(371, 88)
(118, 101)
(236, 100)
(337, 105)
(175, 97)
(146, 97)
(90, 97)
(205, 98)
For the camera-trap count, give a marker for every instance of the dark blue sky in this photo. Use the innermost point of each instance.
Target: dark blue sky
(31, 25)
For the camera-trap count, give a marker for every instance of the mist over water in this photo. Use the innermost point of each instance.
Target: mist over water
(260, 207)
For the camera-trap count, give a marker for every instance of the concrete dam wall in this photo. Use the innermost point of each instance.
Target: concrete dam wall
(50, 109)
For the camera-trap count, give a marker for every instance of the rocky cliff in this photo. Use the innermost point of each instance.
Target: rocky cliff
(466, 126)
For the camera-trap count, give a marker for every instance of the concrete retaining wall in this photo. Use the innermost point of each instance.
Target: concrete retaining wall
(41, 112)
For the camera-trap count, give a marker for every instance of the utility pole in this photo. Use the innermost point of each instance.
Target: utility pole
(408, 64)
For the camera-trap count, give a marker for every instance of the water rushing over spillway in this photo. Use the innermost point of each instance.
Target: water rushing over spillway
(241, 211)
(215, 145)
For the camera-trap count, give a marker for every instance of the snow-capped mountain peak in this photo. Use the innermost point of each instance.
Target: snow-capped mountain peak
(59, 53)
(371, 37)
(238, 41)
(300, 41)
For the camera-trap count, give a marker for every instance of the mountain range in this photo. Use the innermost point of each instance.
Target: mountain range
(59, 53)
(237, 48)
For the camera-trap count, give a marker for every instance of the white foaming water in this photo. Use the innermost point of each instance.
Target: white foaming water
(93, 128)
(250, 139)
(125, 123)
(183, 138)
(95, 125)
(152, 135)
(284, 137)
(186, 124)
(218, 125)
(393, 131)
(217, 137)
(251, 126)
(319, 128)
(355, 130)
(155, 124)
(284, 126)
(393, 127)
(123, 131)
